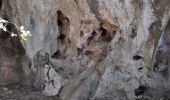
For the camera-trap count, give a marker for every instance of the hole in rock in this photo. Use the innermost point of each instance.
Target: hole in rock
(61, 37)
(60, 18)
(59, 22)
(63, 22)
(71, 73)
(133, 32)
(91, 37)
(140, 68)
(137, 57)
(155, 66)
(140, 90)
(59, 69)
(57, 55)
(108, 31)
(79, 51)
(105, 35)
(63, 27)
(81, 34)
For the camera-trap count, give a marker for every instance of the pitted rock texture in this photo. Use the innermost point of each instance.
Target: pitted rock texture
(102, 49)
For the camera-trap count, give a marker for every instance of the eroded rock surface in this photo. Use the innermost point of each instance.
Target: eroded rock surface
(100, 49)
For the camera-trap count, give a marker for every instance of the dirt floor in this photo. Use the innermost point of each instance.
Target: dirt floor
(17, 92)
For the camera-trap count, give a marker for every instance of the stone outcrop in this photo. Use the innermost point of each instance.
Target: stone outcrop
(45, 76)
(99, 49)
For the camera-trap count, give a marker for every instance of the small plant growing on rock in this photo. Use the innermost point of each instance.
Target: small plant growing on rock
(23, 33)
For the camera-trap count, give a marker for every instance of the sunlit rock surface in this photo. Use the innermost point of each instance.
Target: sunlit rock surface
(101, 49)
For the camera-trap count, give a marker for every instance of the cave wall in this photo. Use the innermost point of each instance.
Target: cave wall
(106, 48)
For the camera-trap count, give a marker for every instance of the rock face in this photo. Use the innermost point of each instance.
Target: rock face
(100, 49)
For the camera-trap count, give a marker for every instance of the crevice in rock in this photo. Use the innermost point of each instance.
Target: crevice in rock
(63, 27)
(79, 51)
(81, 33)
(140, 90)
(63, 22)
(62, 37)
(57, 55)
(137, 57)
(141, 68)
(59, 92)
(94, 34)
(133, 32)
(108, 31)
(155, 67)
(105, 36)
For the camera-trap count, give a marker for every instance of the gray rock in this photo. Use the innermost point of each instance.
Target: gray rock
(105, 48)
(46, 78)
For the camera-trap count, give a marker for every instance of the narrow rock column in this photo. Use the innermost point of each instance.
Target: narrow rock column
(45, 77)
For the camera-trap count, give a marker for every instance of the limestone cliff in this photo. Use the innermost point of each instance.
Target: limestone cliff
(99, 49)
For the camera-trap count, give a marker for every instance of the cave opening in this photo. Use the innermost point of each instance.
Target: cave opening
(79, 51)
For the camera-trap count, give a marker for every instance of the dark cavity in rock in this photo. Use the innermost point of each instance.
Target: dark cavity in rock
(137, 57)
